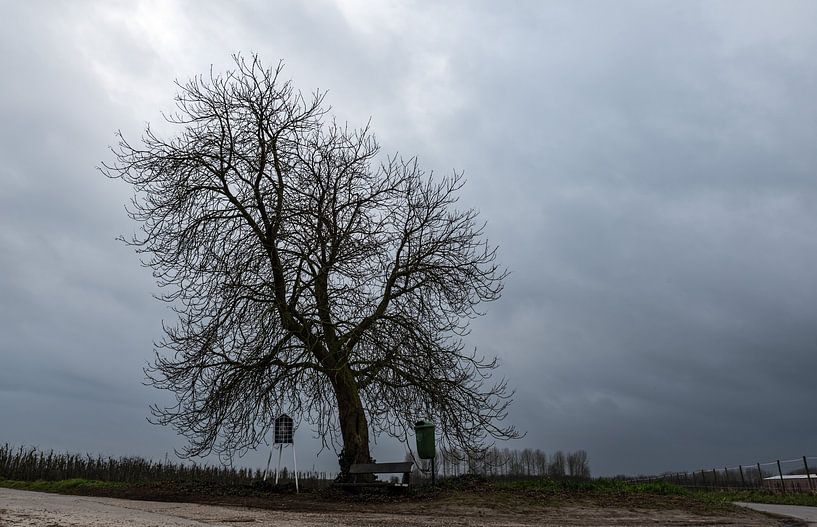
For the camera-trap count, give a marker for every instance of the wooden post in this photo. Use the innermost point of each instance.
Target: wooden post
(742, 479)
(759, 474)
(726, 476)
(278, 468)
(295, 464)
(780, 471)
(715, 478)
(808, 474)
(266, 470)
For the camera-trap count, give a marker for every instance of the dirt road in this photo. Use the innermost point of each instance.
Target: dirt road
(35, 509)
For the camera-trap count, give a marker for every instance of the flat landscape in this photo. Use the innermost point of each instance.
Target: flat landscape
(463, 262)
(22, 508)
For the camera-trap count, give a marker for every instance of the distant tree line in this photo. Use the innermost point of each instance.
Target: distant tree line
(29, 464)
(513, 463)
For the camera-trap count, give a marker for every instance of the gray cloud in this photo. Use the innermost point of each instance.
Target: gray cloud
(647, 169)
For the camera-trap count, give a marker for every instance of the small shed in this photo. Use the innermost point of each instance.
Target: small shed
(791, 482)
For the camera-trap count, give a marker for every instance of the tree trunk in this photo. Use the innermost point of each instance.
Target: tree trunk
(354, 427)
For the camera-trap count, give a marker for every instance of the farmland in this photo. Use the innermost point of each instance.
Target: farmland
(492, 500)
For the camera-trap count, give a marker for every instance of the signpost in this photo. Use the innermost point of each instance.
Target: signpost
(283, 434)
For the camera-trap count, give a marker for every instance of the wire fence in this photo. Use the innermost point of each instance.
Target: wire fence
(781, 475)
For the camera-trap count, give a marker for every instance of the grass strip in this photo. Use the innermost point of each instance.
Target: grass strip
(63, 485)
(593, 486)
(707, 496)
(756, 496)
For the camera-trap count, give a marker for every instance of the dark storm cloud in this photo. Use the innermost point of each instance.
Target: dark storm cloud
(73, 303)
(648, 170)
(661, 231)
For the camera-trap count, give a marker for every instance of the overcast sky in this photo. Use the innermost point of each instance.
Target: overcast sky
(647, 169)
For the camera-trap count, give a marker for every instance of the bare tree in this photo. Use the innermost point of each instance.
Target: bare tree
(577, 464)
(541, 463)
(556, 469)
(309, 274)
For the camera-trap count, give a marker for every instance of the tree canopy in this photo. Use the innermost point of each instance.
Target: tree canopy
(309, 274)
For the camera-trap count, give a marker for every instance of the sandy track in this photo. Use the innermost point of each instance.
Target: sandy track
(35, 509)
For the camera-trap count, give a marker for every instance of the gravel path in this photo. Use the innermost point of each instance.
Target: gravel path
(807, 514)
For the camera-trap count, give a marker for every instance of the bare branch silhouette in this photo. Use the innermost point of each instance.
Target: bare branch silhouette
(308, 273)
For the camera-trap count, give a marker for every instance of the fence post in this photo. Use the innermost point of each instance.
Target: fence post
(703, 478)
(726, 477)
(715, 480)
(759, 475)
(742, 479)
(808, 474)
(694, 483)
(780, 471)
